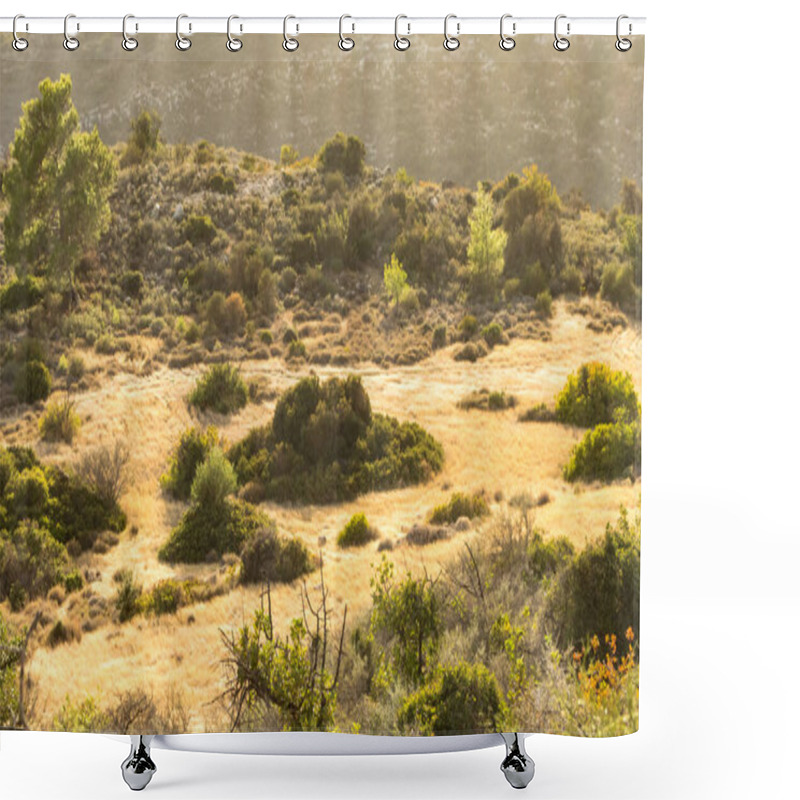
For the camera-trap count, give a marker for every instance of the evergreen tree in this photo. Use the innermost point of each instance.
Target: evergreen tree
(485, 250)
(57, 186)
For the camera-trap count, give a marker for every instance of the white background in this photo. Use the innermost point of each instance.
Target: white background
(720, 602)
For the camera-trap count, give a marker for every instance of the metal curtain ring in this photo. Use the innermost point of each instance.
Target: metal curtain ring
(507, 42)
(18, 43)
(233, 44)
(451, 42)
(561, 43)
(181, 42)
(70, 42)
(129, 43)
(346, 43)
(623, 45)
(401, 42)
(290, 43)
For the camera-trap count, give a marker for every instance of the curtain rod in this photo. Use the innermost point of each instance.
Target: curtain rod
(407, 26)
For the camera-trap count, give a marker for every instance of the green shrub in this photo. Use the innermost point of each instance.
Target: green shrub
(287, 280)
(220, 389)
(206, 533)
(618, 286)
(544, 304)
(61, 634)
(191, 450)
(343, 154)
(485, 400)
(439, 337)
(493, 334)
(213, 481)
(406, 622)
(297, 349)
(199, 229)
(572, 280)
(33, 382)
(512, 289)
(547, 557)
(459, 505)
(28, 493)
(269, 558)
(128, 595)
(59, 423)
(485, 250)
(471, 352)
(357, 532)
(166, 597)
(226, 315)
(21, 293)
(325, 445)
(531, 219)
(83, 717)
(132, 283)
(538, 413)
(395, 279)
(596, 394)
(73, 367)
(80, 511)
(31, 563)
(73, 581)
(461, 699)
(289, 155)
(599, 590)
(145, 140)
(221, 184)
(468, 327)
(607, 452)
(409, 301)
(106, 344)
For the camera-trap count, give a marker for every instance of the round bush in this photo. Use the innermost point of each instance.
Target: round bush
(468, 327)
(357, 532)
(607, 452)
(221, 389)
(28, 493)
(33, 382)
(205, 531)
(493, 334)
(214, 480)
(268, 557)
(461, 699)
(595, 395)
(190, 452)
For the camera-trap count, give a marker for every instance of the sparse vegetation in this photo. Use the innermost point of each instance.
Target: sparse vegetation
(485, 400)
(60, 422)
(209, 258)
(460, 505)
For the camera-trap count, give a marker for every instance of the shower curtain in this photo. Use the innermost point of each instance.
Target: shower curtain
(320, 386)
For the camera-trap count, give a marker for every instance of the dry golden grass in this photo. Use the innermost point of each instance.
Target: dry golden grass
(486, 451)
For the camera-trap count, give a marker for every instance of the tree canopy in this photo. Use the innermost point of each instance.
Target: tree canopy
(57, 184)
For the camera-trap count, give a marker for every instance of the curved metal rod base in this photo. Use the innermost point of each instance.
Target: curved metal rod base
(138, 768)
(517, 766)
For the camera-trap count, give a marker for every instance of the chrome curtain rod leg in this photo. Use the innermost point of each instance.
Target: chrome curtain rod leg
(138, 768)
